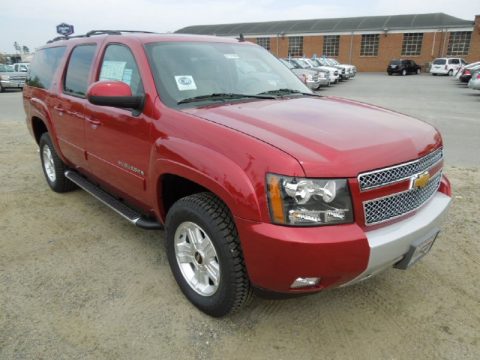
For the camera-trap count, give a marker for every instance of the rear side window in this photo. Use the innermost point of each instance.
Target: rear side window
(43, 67)
(454, 61)
(119, 64)
(76, 78)
(440, 62)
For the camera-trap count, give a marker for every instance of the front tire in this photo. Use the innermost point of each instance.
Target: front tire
(205, 256)
(450, 72)
(419, 71)
(53, 167)
(404, 72)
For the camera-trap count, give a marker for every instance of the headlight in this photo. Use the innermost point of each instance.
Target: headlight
(4, 77)
(308, 202)
(309, 77)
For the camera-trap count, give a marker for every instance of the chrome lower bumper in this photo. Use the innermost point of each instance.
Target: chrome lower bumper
(389, 244)
(12, 83)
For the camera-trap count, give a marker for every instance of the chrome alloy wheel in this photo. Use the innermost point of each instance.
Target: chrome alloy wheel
(48, 163)
(197, 258)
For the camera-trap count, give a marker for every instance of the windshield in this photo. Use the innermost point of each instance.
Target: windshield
(328, 62)
(395, 62)
(183, 70)
(5, 68)
(287, 64)
(334, 62)
(322, 62)
(303, 63)
(440, 62)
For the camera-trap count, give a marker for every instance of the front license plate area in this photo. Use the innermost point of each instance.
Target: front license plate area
(418, 249)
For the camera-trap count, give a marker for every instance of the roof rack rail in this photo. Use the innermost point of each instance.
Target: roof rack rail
(99, 32)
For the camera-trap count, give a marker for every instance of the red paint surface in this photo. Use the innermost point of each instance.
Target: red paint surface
(229, 149)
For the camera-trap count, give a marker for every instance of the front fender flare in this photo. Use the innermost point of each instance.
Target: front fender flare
(210, 169)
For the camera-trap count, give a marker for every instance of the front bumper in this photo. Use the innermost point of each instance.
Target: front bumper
(475, 85)
(439, 71)
(343, 254)
(324, 81)
(313, 85)
(6, 84)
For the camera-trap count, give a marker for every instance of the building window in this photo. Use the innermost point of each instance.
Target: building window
(459, 43)
(412, 44)
(369, 45)
(264, 42)
(331, 44)
(295, 46)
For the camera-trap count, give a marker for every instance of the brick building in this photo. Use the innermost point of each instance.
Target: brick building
(367, 42)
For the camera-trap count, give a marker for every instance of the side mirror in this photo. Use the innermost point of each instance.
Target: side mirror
(114, 93)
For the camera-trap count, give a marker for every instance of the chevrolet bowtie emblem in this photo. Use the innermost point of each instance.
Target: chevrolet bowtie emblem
(420, 181)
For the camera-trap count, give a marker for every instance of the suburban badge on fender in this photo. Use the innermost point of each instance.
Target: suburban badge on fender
(130, 167)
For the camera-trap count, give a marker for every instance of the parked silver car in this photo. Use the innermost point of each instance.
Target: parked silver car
(11, 79)
(305, 63)
(474, 82)
(312, 78)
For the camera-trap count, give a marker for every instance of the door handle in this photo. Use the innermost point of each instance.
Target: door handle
(93, 122)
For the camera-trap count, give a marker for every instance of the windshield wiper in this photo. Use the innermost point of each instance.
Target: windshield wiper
(224, 96)
(282, 92)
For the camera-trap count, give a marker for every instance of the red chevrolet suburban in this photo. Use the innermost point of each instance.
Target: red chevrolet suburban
(258, 182)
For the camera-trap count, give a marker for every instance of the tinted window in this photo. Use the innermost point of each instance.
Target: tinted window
(119, 64)
(454, 61)
(44, 65)
(76, 79)
(440, 62)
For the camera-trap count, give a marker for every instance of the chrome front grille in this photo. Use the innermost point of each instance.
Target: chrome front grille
(398, 204)
(21, 78)
(390, 175)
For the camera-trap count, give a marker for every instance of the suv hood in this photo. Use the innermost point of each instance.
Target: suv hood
(330, 137)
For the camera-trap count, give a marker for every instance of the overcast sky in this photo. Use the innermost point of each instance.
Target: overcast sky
(32, 22)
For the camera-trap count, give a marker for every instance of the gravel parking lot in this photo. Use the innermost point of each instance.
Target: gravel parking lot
(79, 282)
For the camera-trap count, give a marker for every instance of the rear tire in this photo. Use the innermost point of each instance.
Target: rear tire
(419, 71)
(450, 72)
(53, 167)
(404, 72)
(205, 255)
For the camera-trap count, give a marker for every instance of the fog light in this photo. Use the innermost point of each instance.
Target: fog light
(305, 282)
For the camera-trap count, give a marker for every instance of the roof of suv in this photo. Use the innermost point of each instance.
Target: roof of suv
(142, 36)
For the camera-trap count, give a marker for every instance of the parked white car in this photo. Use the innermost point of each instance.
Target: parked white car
(334, 72)
(351, 69)
(474, 82)
(446, 66)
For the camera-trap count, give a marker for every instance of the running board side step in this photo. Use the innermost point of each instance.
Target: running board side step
(120, 208)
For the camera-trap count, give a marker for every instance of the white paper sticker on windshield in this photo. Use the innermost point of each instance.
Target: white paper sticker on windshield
(185, 82)
(231, 56)
(112, 70)
(127, 76)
